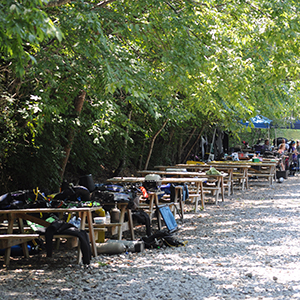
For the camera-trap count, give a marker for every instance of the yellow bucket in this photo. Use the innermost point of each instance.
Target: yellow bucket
(101, 236)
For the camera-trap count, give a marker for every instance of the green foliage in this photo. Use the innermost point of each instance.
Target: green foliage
(196, 64)
(24, 25)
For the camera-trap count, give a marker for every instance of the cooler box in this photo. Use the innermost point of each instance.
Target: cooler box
(283, 174)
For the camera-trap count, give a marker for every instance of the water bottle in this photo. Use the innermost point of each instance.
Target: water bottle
(107, 217)
(75, 221)
(78, 222)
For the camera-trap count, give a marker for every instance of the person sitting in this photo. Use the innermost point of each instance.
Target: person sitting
(281, 149)
(281, 152)
(266, 146)
(285, 144)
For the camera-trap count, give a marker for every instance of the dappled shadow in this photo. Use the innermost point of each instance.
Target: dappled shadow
(60, 259)
(245, 247)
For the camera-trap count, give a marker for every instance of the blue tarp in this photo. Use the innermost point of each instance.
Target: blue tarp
(259, 122)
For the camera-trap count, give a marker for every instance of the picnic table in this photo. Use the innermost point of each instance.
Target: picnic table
(263, 169)
(215, 181)
(239, 171)
(10, 238)
(197, 194)
(228, 181)
(121, 226)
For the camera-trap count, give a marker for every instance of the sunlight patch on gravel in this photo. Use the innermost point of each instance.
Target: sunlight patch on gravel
(247, 247)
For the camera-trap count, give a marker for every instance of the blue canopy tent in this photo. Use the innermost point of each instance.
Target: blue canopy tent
(259, 122)
(294, 125)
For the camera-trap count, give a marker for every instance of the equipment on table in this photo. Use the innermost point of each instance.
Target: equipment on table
(115, 215)
(152, 182)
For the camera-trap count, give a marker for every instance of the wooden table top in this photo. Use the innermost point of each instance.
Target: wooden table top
(217, 166)
(222, 165)
(163, 180)
(243, 162)
(183, 174)
(48, 210)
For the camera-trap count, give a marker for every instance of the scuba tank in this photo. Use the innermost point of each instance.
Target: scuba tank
(115, 215)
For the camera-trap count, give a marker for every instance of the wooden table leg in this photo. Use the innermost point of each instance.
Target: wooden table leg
(11, 218)
(197, 198)
(122, 216)
(157, 211)
(247, 178)
(231, 178)
(222, 189)
(82, 215)
(91, 233)
(151, 205)
(130, 223)
(218, 185)
(202, 194)
(181, 203)
(24, 245)
(178, 200)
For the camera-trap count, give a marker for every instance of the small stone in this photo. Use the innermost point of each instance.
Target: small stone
(249, 275)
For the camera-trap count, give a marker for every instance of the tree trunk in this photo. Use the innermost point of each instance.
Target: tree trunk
(180, 148)
(141, 155)
(126, 141)
(169, 144)
(193, 145)
(78, 104)
(187, 142)
(152, 143)
(123, 161)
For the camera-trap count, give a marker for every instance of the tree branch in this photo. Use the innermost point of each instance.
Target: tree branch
(152, 143)
(55, 3)
(185, 159)
(104, 3)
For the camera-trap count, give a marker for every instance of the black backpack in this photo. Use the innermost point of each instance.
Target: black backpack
(159, 239)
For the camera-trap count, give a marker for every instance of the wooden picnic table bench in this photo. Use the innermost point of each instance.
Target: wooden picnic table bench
(10, 238)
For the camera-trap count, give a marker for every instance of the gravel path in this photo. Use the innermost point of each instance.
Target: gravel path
(245, 248)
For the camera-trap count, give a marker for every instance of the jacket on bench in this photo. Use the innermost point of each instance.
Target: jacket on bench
(61, 227)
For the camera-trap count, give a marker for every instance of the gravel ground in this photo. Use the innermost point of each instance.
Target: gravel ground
(245, 248)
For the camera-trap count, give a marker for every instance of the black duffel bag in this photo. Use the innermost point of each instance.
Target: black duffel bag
(110, 197)
(23, 199)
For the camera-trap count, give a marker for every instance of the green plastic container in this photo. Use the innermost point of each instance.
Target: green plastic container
(255, 160)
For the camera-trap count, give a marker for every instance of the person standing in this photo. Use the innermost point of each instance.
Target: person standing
(298, 154)
(293, 158)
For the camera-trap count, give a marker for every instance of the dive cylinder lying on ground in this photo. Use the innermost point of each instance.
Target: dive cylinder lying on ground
(120, 246)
